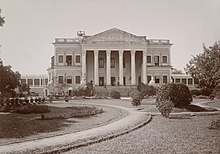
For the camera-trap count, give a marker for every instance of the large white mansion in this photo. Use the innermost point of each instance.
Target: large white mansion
(110, 58)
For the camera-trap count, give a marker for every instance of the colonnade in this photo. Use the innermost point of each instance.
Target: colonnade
(108, 67)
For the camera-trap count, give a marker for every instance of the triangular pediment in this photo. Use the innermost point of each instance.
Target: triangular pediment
(114, 35)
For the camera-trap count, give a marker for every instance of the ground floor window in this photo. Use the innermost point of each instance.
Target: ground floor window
(164, 78)
(113, 83)
(148, 78)
(157, 79)
(184, 80)
(69, 81)
(124, 81)
(101, 81)
(190, 81)
(177, 80)
(60, 79)
(77, 79)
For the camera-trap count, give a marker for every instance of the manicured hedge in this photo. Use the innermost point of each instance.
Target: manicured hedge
(179, 94)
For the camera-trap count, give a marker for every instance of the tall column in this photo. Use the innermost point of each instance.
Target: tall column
(120, 67)
(96, 67)
(144, 67)
(83, 66)
(108, 67)
(133, 72)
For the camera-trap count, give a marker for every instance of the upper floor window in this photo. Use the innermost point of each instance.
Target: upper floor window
(60, 79)
(46, 81)
(123, 62)
(77, 58)
(148, 59)
(69, 60)
(112, 62)
(101, 62)
(60, 59)
(165, 59)
(156, 60)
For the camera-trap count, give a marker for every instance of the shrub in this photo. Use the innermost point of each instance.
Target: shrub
(165, 107)
(206, 91)
(115, 95)
(28, 109)
(195, 92)
(146, 89)
(179, 94)
(136, 99)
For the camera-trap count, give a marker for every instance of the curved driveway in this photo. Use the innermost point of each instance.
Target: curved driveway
(133, 120)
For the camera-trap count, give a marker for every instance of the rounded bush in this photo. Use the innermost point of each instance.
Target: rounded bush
(115, 95)
(136, 99)
(165, 107)
(146, 89)
(179, 94)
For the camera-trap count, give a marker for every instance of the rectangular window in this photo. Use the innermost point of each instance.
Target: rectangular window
(69, 60)
(23, 81)
(156, 60)
(69, 81)
(164, 59)
(184, 80)
(190, 81)
(60, 79)
(36, 82)
(124, 81)
(123, 62)
(60, 59)
(164, 78)
(101, 81)
(46, 81)
(30, 82)
(148, 78)
(101, 62)
(157, 79)
(148, 59)
(112, 62)
(77, 58)
(177, 80)
(77, 79)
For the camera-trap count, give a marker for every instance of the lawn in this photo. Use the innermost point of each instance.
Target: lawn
(21, 125)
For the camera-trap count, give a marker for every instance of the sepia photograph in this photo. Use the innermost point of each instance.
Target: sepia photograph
(110, 76)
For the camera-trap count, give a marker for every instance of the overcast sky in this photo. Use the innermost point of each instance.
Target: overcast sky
(32, 25)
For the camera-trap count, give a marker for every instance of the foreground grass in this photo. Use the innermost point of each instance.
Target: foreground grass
(22, 125)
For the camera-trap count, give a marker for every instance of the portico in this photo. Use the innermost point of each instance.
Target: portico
(112, 64)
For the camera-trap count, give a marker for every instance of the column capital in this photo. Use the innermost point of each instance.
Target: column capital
(108, 52)
(133, 51)
(120, 51)
(144, 52)
(96, 52)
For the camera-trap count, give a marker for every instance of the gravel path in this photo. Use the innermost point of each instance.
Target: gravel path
(110, 115)
(179, 134)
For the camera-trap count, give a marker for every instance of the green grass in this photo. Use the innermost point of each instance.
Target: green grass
(22, 125)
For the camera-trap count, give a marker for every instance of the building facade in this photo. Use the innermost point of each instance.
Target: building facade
(113, 58)
(37, 83)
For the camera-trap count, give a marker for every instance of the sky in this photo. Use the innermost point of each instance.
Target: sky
(31, 26)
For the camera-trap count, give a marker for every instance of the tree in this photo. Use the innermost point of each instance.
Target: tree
(205, 67)
(9, 80)
(2, 21)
